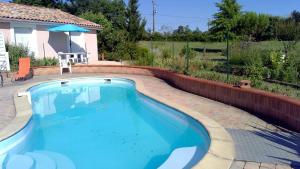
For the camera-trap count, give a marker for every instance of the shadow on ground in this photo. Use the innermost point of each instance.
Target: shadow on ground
(267, 146)
(284, 140)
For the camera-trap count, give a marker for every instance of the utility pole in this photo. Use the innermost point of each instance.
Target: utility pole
(227, 53)
(154, 11)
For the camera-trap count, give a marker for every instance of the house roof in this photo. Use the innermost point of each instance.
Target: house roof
(41, 14)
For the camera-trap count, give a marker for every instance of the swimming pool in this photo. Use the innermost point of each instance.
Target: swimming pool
(98, 123)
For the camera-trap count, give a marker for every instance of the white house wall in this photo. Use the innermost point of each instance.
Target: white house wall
(49, 43)
(33, 44)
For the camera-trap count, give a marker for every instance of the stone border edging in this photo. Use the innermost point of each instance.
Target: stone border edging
(282, 109)
(23, 115)
(221, 151)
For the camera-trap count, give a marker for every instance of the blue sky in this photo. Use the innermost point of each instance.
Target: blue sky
(196, 13)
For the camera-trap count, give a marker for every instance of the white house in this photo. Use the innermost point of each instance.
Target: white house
(28, 26)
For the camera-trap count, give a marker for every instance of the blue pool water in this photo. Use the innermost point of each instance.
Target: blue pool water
(92, 124)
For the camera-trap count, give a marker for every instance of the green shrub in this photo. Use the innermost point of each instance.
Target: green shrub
(122, 51)
(143, 57)
(290, 74)
(16, 52)
(221, 77)
(255, 74)
(205, 64)
(191, 53)
(176, 64)
(44, 62)
(275, 88)
(166, 54)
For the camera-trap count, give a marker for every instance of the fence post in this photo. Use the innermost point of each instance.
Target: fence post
(173, 49)
(151, 45)
(227, 53)
(152, 52)
(187, 58)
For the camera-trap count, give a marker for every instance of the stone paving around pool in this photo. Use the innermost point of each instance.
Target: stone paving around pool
(259, 144)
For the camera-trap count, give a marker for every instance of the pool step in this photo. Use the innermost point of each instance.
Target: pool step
(42, 161)
(39, 160)
(180, 158)
(62, 162)
(20, 161)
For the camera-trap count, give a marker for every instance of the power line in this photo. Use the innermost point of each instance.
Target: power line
(177, 16)
(184, 22)
(186, 17)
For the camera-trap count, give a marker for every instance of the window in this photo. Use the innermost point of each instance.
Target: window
(23, 37)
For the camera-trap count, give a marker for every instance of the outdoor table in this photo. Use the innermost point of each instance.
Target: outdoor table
(79, 57)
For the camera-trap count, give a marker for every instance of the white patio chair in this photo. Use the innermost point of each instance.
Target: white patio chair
(85, 58)
(64, 62)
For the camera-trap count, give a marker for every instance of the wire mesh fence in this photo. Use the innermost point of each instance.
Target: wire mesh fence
(265, 64)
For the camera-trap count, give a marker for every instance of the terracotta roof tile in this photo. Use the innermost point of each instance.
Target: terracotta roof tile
(33, 13)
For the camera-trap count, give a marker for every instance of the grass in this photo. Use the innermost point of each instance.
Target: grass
(176, 47)
(266, 86)
(202, 65)
(212, 45)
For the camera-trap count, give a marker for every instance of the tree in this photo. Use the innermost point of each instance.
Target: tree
(295, 16)
(110, 40)
(113, 10)
(289, 33)
(247, 24)
(45, 3)
(271, 31)
(135, 25)
(262, 25)
(225, 19)
(252, 25)
(116, 13)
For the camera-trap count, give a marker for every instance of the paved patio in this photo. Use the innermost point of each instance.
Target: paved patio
(259, 144)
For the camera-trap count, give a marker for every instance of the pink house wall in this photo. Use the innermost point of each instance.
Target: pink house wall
(5, 28)
(55, 42)
(91, 45)
(50, 43)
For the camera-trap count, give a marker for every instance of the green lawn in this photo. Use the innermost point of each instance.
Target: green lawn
(211, 45)
(175, 48)
(202, 66)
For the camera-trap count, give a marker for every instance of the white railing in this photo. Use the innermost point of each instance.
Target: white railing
(4, 62)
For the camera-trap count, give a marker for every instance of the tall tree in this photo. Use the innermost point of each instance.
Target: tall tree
(110, 40)
(271, 31)
(295, 16)
(288, 32)
(252, 25)
(113, 10)
(135, 25)
(225, 19)
(45, 3)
